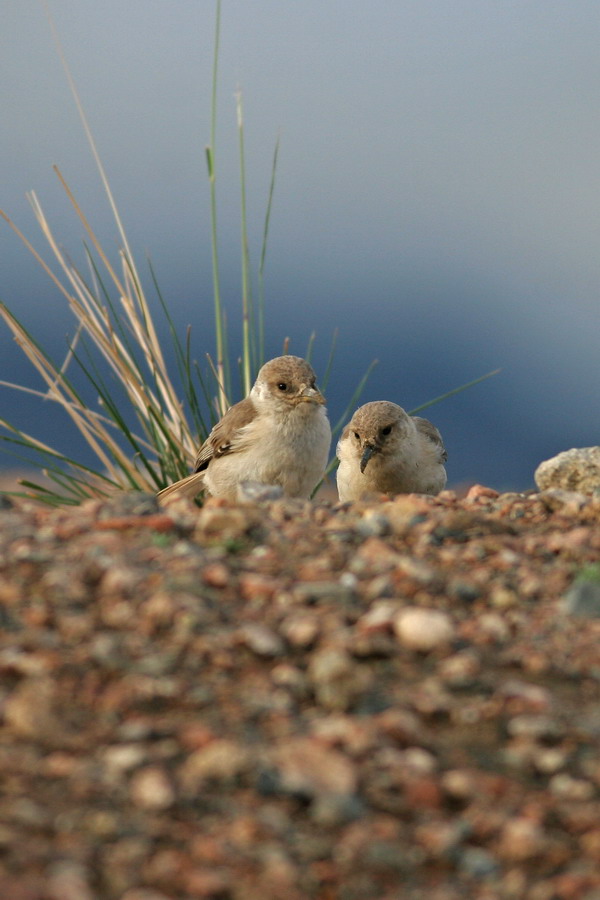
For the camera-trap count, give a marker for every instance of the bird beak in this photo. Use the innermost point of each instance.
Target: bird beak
(312, 395)
(367, 454)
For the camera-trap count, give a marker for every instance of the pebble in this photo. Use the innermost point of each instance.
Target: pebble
(520, 839)
(151, 789)
(220, 760)
(441, 838)
(377, 555)
(536, 727)
(216, 575)
(131, 503)
(503, 598)
(300, 630)
(461, 669)
(254, 492)
(69, 881)
(223, 524)
(206, 885)
(261, 640)
(28, 710)
(416, 569)
(307, 768)
(564, 785)
(380, 618)
(549, 759)
(479, 492)
(258, 588)
(459, 784)
(423, 629)
(522, 696)
(401, 725)
(335, 678)
(355, 736)
(373, 523)
(494, 626)
(477, 863)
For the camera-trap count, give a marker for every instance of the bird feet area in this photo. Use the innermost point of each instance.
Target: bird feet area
(285, 699)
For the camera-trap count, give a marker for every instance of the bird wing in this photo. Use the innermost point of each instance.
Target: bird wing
(428, 430)
(222, 438)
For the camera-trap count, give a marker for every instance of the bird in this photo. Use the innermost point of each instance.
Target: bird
(278, 435)
(384, 450)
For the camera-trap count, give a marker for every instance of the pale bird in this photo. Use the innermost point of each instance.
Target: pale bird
(278, 435)
(383, 450)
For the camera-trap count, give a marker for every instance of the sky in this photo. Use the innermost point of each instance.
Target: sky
(437, 196)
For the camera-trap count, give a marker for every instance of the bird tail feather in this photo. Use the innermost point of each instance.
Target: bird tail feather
(187, 487)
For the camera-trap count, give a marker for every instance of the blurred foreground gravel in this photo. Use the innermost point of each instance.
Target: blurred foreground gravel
(289, 700)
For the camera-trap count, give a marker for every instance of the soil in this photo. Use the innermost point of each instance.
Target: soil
(280, 700)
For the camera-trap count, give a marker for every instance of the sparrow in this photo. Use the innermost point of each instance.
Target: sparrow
(383, 450)
(278, 435)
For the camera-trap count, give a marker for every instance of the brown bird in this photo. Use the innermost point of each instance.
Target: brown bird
(278, 435)
(383, 450)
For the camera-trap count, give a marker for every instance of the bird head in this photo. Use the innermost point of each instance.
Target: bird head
(287, 381)
(376, 428)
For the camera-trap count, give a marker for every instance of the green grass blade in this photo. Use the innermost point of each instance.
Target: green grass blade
(43, 494)
(263, 255)
(457, 390)
(221, 347)
(206, 392)
(248, 323)
(202, 427)
(310, 346)
(332, 349)
(352, 402)
(24, 441)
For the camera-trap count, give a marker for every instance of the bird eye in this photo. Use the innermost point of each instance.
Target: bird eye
(357, 435)
(386, 430)
(282, 386)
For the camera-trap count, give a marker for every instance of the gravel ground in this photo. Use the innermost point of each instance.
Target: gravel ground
(288, 700)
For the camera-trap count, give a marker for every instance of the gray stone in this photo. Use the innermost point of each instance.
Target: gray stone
(253, 492)
(583, 599)
(572, 470)
(477, 862)
(130, 503)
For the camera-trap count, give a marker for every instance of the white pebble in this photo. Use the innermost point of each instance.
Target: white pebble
(423, 629)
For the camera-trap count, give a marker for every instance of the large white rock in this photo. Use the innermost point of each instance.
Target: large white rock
(572, 470)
